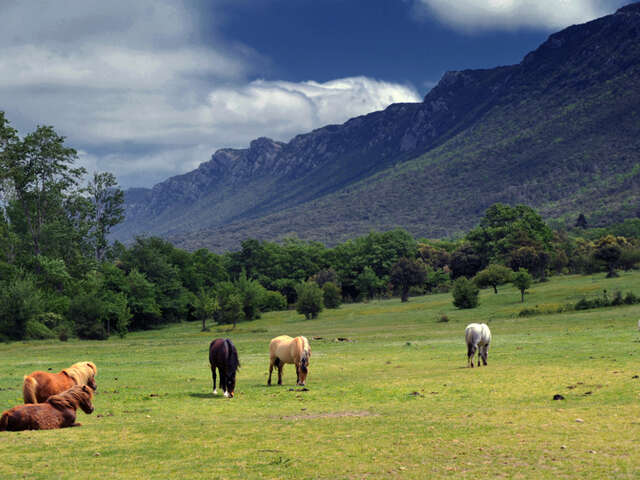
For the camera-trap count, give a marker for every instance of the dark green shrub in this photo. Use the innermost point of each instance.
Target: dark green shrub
(230, 304)
(88, 314)
(617, 298)
(273, 301)
(332, 295)
(37, 331)
(465, 293)
(20, 302)
(310, 299)
(251, 293)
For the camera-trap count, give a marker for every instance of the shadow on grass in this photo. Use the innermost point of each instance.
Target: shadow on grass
(206, 395)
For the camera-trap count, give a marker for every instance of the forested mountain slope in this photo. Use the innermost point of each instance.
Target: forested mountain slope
(559, 131)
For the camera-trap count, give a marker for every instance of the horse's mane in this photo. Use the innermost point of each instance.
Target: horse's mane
(71, 398)
(234, 362)
(81, 372)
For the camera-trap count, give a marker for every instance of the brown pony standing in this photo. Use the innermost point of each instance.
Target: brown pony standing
(38, 386)
(59, 411)
(284, 349)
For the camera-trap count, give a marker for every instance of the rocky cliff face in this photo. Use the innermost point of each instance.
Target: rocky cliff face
(552, 112)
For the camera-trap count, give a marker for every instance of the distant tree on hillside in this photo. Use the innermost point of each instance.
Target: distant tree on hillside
(505, 228)
(521, 280)
(531, 259)
(581, 222)
(492, 276)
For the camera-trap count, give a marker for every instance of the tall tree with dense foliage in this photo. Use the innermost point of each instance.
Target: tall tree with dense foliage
(378, 251)
(38, 176)
(229, 304)
(505, 228)
(368, 283)
(407, 273)
(465, 261)
(106, 210)
(205, 307)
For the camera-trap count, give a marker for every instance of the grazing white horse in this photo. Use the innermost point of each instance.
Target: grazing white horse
(478, 337)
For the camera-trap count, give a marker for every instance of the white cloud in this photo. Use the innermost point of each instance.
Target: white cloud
(512, 14)
(142, 92)
(282, 109)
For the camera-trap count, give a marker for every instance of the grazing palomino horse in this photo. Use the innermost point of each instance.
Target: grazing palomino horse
(224, 356)
(38, 386)
(478, 337)
(284, 349)
(59, 411)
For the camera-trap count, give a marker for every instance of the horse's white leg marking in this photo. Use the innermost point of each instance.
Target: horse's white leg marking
(215, 392)
(226, 394)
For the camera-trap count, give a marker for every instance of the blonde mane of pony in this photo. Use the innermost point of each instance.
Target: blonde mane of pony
(81, 372)
(306, 348)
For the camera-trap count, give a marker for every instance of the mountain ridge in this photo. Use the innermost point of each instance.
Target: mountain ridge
(560, 92)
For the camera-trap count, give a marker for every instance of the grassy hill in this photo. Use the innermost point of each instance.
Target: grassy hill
(395, 401)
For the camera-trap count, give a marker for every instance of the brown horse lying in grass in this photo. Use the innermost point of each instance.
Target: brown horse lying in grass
(284, 349)
(59, 411)
(38, 386)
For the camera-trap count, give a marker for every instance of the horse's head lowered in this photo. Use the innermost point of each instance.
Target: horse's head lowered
(76, 396)
(304, 365)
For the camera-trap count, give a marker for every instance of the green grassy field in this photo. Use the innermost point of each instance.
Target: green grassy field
(395, 402)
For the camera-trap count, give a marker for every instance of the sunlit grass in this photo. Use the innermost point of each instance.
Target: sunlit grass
(395, 401)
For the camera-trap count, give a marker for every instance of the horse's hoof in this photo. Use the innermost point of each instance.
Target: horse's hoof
(226, 394)
(215, 392)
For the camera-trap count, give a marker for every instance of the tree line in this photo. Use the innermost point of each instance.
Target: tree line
(60, 276)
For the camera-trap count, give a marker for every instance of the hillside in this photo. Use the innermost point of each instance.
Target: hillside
(558, 131)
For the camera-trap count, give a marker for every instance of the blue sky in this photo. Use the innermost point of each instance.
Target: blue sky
(151, 88)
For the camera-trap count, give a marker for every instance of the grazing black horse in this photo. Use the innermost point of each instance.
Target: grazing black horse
(224, 356)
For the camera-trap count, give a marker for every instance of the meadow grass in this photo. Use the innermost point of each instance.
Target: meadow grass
(397, 401)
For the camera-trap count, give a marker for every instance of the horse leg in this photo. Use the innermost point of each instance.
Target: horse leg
(270, 371)
(297, 374)
(213, 374)
(471, 350)
(223, 381)
(280, 367)
(485, 354)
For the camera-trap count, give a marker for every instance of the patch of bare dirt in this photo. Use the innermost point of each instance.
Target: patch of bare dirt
(315, 416)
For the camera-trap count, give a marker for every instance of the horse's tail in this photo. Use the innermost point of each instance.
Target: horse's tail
(29, 389)
(234, 361)
(4, 422)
